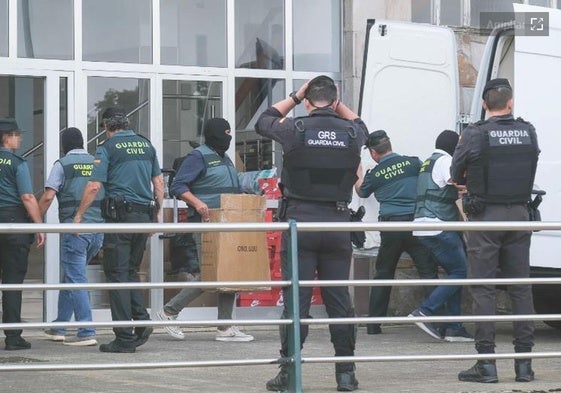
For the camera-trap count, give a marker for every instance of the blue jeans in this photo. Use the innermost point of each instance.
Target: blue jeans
(75, 253)
(448, 249)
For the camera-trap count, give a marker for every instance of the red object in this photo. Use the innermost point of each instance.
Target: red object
(270, 187)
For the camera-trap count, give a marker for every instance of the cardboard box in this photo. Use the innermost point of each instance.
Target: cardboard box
(236, 256)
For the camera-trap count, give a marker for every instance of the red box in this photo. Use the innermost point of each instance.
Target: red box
(270, 187)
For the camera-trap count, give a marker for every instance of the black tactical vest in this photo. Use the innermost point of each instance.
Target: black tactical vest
(323, 165)
(507, 167)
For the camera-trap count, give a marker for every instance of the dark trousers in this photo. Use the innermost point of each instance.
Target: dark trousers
(329, 255)
(122, 255)
(14, 250)
(392, 245)
(509, 252)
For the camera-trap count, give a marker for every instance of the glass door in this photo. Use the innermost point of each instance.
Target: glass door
(39, 103)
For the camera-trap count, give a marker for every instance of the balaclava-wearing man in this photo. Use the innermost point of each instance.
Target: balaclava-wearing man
(217, 135)
(447, 141)
(71, 139)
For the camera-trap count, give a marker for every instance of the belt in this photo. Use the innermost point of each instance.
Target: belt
(138, 207)
(402, 217)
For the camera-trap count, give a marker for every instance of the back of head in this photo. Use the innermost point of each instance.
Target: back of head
(379, 141)
(447, 141)
(496, 94)
(321, 89)
(71, 138)
(115, 118)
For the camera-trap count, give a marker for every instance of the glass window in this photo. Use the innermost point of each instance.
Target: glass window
(46, 31)
(260, 34)
(253, 96)
(479, 6)
(129, 20)
(318, 54)
(421, 11)
(131, 94)
(451, 12)
(3, 27)
(187, 37)
(186, 105)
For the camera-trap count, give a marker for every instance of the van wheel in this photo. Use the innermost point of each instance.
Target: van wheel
(546, 301)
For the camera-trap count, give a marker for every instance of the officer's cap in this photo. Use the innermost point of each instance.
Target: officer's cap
(113, 111)
(376, 137)
(8, 125)
(495, 84)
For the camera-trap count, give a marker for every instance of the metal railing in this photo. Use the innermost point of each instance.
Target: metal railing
(294, 359)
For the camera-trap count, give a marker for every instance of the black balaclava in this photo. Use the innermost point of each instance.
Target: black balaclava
(447, 141)
(71, 138)
(215, 134)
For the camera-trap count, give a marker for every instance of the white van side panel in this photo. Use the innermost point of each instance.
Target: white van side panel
(538, 87)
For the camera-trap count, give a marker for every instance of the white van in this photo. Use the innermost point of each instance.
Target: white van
(410, 88)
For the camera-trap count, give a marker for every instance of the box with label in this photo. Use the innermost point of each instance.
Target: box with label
(236, 256)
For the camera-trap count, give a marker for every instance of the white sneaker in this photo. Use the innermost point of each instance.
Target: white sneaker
(174, 331)
(232, 334)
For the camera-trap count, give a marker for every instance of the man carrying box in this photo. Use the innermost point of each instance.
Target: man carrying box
(206, 173)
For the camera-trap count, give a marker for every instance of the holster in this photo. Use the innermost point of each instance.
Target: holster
(114, 208)
(281, 210)
(472, 205)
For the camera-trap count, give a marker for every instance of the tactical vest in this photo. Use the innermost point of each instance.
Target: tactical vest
(221, 178)
(323, 165)
(77, 171)
(433, 201)
(507, 167)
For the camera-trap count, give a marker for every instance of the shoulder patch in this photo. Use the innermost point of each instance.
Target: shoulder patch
(97, 161)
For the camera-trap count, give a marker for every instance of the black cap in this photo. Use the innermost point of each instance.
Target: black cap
(113, 111)
(495, 84)
(447, 141)
(375, 138)
(8, 124)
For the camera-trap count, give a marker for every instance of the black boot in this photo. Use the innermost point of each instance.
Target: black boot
(345, 377)
(280, 382)
(483, 371)
(523, 369)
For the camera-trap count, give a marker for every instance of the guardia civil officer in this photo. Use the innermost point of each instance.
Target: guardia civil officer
(321, 156)
(496, 159)
(394, 185)
(127, 166)
(17, 205)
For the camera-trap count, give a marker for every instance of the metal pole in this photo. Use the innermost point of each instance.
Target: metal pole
(293, 297)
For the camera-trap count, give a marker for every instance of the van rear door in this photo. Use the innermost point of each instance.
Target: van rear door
(409, 88)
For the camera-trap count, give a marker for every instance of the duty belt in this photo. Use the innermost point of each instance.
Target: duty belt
(402, 217)
(138, 207)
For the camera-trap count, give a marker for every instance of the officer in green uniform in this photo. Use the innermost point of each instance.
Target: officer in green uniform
(17, 205)
(394, 185)
(127, 166)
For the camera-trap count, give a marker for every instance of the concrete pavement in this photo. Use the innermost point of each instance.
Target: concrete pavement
(432, 376)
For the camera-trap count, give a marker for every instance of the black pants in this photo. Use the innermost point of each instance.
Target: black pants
(122, 255)
(14, 251)
(329, 255)
(392, 245)
(509, 252)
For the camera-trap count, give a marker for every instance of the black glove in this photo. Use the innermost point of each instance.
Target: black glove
(358, 238)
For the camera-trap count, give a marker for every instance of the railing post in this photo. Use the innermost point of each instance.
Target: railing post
(293, 304)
